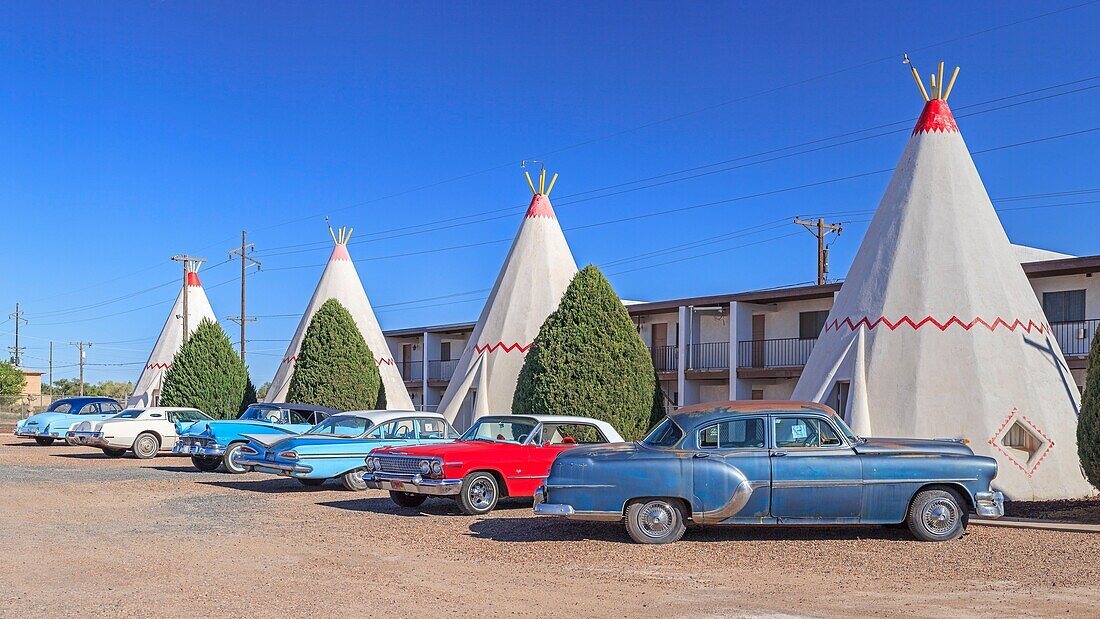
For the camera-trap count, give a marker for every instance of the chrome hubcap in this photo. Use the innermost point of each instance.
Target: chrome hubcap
(482, 494)
(940, 516)
(656, 519)
(145, 446)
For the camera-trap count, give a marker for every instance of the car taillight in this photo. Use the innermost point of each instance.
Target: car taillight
(249, 451)
(289, 455)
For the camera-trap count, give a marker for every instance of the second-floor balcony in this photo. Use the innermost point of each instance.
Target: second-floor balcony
(411, 370)
(665, 358)
(442, 369)
(709, 356)
(1075, 337)
(778, 353)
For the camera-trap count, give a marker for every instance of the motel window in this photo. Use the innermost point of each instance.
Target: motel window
(810, 324)
(1064, 305)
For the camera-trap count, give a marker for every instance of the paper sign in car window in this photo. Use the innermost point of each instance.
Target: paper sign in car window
(798, 431)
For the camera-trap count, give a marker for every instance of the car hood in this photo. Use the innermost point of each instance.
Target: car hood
(455, 449)
(912, 446)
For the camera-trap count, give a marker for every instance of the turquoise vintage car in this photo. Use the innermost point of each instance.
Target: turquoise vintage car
(56, 421)
(338, 446)
(770, 463)
(218, 443)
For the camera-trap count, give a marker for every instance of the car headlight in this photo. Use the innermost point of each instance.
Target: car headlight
(437, 468)
(289, 455)
(425, 467)
(370, 463)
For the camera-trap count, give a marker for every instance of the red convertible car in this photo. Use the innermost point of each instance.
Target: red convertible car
(501, 456)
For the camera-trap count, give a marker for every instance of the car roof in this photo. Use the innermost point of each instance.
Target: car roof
(609, 430)
(692, 415)
(85, 399)
(382, 416)
(166, 409)
(307, 407)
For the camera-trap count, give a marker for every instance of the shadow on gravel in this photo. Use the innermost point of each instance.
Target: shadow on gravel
(87, 455)
(176, 469)
(552, 529)
(431, 507)
(268, 486)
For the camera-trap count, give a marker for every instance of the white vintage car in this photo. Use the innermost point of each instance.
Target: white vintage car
(146, 431)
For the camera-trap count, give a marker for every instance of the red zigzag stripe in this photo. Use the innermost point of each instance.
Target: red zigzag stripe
(1029, 326)
(158, 366)
(480, 348)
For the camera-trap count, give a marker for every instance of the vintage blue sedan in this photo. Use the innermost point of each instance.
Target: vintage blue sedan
(218, 443)
(337, 448)
(770, 463)
(56, 421)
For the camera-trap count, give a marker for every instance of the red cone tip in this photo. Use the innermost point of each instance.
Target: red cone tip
(193, 279)
(340, 252)
(540, 207)
(936, 117)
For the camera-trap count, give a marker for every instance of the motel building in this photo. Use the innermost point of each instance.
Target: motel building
(753, 345)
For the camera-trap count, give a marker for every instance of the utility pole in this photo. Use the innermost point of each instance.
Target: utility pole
(81, 346)
(51, 365)
(17, 350)
(246, 261)
(820, 229)
(190, 265)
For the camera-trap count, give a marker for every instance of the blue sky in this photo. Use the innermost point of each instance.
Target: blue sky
(134, 131)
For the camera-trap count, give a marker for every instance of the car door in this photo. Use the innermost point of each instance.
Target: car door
(731, 472)
(816, 475)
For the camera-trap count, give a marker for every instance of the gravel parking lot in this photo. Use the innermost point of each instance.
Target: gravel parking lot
(82, 534)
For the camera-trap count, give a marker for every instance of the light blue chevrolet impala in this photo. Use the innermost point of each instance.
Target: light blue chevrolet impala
(338, 446)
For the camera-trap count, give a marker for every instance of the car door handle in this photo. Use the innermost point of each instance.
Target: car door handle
(776, 454)
(700, 455)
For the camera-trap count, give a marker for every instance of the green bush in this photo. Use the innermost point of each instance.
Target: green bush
(588, 360)
(335, 367)
(249, 397)
(1088, 424)
(206, 374)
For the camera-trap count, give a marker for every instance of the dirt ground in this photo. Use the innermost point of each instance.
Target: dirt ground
(81, 534)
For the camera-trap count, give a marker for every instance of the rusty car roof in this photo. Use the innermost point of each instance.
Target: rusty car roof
(689, 415)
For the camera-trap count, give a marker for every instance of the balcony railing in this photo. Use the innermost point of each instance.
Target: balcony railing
(709, 356)
(782, 353)
(665, 358)
(1075, 337)
(442, 369)
(411, 370)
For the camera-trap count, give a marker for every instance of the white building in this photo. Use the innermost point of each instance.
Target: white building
(772, 331)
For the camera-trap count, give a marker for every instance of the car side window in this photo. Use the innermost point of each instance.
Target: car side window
(571, 434)
(733, 434)
(299, 416)
(431, 428)
(805, 432)
(89, 409)
(109, 408)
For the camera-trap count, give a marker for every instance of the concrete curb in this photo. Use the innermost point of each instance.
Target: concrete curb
(1034, 523)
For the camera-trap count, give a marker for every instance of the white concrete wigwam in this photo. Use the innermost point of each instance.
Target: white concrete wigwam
(341, 281)
(937, 333)
(529, 287)
(148, 386)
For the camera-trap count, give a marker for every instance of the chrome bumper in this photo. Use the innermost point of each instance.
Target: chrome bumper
(187, 449)
(92, 439)
(278, 468)
(990, 504)
(414, 484)
(542, 508)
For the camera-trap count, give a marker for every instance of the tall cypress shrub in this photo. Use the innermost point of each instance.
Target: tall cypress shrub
(206, 374)
(335, 367)
(1088, 423)
(588, 360)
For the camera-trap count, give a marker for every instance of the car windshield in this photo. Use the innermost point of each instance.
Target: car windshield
(130, 413)
(60, 407)
(667, 434)
(844, 429)
(261, 413)
(342, 426)
(500, 430)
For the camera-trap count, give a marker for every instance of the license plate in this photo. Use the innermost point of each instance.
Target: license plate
(397, 485)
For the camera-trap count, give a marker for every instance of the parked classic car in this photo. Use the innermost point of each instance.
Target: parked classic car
(147, 431)
(505, 455)
(336, 447)
(56, 421)
(771, 463)
(218, 443)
